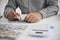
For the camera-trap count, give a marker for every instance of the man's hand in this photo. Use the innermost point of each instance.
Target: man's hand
(11, 16)
(33, 17)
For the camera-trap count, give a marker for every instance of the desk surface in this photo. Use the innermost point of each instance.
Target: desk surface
(54, 34)
(52, 21)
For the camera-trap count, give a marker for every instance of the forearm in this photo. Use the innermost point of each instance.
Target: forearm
(51, 10)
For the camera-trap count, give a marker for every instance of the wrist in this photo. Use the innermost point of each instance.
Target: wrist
(40, 15)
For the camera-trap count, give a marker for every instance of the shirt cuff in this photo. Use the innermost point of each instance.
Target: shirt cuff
(44, 13)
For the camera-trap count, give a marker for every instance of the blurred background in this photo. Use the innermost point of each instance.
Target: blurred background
(4, 2)
(2, 6)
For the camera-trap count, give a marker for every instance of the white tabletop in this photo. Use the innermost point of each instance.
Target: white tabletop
(53, 34)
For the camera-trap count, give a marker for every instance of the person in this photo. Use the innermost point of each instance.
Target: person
(35, 9)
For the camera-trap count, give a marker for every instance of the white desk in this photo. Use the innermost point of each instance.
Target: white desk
(54, 34)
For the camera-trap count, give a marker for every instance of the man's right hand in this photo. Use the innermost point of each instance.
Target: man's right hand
(11, 16)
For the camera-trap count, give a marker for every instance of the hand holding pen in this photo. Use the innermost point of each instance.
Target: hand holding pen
(13, 16)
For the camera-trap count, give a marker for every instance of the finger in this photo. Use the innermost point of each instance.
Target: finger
(26, 18)
(17, 14)
(36, 20)
(14, 14)
(33, 21)
(16, 19)
(30, 19)
(10, 16)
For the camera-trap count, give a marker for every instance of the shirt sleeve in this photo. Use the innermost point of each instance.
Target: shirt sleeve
(51, 9)
(11, 6)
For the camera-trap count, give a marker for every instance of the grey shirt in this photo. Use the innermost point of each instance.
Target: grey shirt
(46, 7)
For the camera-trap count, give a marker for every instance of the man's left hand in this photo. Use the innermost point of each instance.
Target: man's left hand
(33, 17)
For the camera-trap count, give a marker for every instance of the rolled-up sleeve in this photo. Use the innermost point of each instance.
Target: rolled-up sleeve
(51, 9)
(11, 6)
